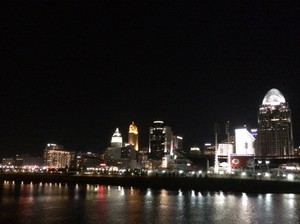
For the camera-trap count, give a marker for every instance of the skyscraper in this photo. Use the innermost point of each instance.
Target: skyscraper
(274, 132)
(113, 153)
(116, 139)
(161, 140)
(133, 136)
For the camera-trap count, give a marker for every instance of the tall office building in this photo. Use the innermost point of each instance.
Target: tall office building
(274, 132)
(113, 153)
(161, 140)
(116, 139)
(133, 136)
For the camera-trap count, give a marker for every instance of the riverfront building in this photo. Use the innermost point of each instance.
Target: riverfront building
(162, 141)
(160, 137)
(274, 133)
(55, 156)
(244, 142)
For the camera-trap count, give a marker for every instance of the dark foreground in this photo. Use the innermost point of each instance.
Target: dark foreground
(169, 183)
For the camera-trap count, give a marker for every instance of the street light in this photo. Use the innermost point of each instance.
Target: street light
(267, 163)
(259, 164)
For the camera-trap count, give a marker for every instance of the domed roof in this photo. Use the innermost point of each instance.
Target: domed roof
(273, 97)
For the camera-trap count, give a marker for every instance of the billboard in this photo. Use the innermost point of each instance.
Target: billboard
(241, 161)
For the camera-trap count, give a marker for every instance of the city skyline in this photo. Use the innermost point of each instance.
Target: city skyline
(118, 134)
(72, 74)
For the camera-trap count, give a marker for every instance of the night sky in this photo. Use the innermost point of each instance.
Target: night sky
(72, 72)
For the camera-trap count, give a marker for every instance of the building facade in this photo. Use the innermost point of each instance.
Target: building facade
(274, 132)
(87, 161)
(244, 142)
(162, 141)
(157, 140)
(55, 156)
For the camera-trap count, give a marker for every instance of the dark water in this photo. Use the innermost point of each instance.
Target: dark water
(54, 203)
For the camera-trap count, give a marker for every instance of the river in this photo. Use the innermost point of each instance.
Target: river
(57, 203)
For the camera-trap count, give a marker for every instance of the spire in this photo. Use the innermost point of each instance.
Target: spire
(117, 133)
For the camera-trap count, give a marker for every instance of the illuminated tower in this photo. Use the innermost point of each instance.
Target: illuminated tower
(133, 136)
(274, 132)
(116, 139)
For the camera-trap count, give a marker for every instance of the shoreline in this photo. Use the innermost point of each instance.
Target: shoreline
(168, 183)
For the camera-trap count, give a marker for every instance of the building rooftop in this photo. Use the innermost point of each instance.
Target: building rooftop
(273, 97)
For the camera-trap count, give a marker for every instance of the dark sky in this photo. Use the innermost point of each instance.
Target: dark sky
(72, 72)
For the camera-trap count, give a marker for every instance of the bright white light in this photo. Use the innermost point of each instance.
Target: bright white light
(290, 176)
(273, 97)
(267, 174)
(149, 193)
(224, 164)
(179, 192)
(195, 149)
(290, 168)
(244, 141)
(244, 199)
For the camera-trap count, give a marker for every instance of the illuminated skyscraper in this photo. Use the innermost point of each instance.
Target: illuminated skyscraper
(133, 136)
(161, 141)
(274, 133)
(113, 153)
(116, 139)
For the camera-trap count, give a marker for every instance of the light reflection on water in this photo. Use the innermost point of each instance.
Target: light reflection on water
(57, 203)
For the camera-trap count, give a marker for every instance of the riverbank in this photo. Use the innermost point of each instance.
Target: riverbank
(168, 183)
